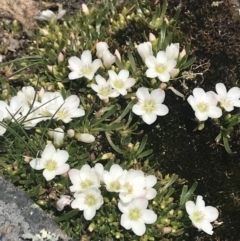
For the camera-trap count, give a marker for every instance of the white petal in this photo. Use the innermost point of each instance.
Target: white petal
(151, 73)
(191, 100)
(140, 203)
(130, 82)
(61, 156)
(138, 228)
(234, 93)
(190, 207)
(198, 94)
(202, 116)
(95, 87)
(211, 98)
(207, 227)
(37, 163)
(97, 63)
(74, 63)
(211, 213)
(62, 169)
(214, 112)
(151, 180)
(161, 57)
(221, 89)
(125, 222)
(171, 65)
(161, 110)
(151, 62)
(48, 174)
(149, 118)
(86, 57)
(61, 14)
(158, 95)
(89, 213)
(138, 110)
(142, 93)
(123, 74)
(74, 176)
(149, 216)
(100, 80)
(200, 204)
(164, 77)
(48, 152)
(151, 193)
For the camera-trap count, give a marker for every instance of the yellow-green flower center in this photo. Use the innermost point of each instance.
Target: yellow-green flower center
(90, 200)
(119, 84)
(51, 165)
(62, 114)
(149, 106)
(129, 188)
(115, 186)
(86, 184)
(134, 214)
(160, 68)
(105, 91)
(198, 216)
(224, 103)
(202, 107)
(87, 70)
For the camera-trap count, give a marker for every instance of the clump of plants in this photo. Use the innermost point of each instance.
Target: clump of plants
(71, 114)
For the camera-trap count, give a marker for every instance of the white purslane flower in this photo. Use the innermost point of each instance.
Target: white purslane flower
(27, 94)
(83, 67)
(103, 88)
(150, 106)
(228, 99)
(133, 185)
(63, 201)
(52, 161)
(201, 215)
(111, 178)
(136, 215)
(83, 179)
(204, 104)
(88, 202)
(58, 136)
(145, 50)
(121, 81)
(49, 15)
(67, 109)
(160, 66)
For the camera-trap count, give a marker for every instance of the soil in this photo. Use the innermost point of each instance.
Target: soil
(194, 155)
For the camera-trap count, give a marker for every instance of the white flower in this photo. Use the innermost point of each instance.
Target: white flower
(49, 15)
(108, 59)
(52, 161)
(111, 178)
(133, 185)
(101, 47)
(88, 202)
(172, 51)
(84, 179)
(228, 99)
(27, 94)
(103, 88)
(150, 105)
(58, 136)
(67, 109)
(136, 215)
(84, 66)
(2, 124)
(160, 66)
(120, 82)
(200, 215)
(145, 50)
(204, 104)
(85, 137)
(63, 201)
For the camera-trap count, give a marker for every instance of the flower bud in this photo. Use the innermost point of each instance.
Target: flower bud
(182, 54)
(70, 133)
(58, 136)
(108, 59)
(60, 57)
(50, 68)
(118, 55)
(145, 50)
(152, 37)
(85, 9)
(85, 137)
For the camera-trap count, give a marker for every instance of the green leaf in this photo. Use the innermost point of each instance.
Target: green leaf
(226, 145)
(186, 194)
(67, 216)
